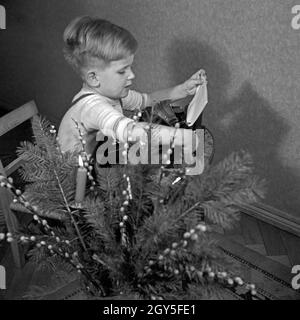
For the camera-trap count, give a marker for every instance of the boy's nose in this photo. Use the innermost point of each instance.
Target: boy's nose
(131, 75)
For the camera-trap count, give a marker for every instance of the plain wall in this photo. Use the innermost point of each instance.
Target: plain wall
(248, 48)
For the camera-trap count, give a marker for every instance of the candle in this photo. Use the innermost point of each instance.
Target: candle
(80, 182)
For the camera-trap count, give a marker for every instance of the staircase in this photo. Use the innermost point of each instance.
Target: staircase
(266, 242)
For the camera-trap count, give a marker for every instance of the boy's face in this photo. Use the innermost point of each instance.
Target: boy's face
(116, 78)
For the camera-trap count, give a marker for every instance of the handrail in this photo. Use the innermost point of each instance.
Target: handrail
(275, 217)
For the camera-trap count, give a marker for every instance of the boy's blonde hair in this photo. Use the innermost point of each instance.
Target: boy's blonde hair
(87, 38)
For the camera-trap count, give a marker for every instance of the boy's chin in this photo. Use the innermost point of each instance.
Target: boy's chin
(124, 93)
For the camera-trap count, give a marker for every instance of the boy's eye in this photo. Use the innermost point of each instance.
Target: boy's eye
(121, 72)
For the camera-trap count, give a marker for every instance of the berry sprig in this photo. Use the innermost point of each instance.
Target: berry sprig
(166, 259)
(55, 245)
(86, 158)
(124, 217)
(224, 279)
(19, 197)
(137, 117)
(81, 138)
(58, 247)
(127, 191)
(52, 129)
(130, 138)
(87, 163)
(43, 223)
(166, 156)
(53, 132)
(169, 253)
(49, 242)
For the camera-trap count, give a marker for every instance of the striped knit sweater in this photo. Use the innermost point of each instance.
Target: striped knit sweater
(97, 113)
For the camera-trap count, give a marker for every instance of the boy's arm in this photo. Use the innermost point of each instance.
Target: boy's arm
(160, 134)
(180, 91)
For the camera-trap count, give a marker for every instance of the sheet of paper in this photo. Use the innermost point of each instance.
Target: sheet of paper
(197, 105)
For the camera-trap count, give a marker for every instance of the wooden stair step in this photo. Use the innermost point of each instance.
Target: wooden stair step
(272, 239)
(236, 229)
(284, 259)
(260, 248)
(292, 245)
(250, 230)
(237, 238)
(258, 268)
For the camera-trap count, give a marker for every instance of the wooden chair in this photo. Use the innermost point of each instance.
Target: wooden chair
(7, 123)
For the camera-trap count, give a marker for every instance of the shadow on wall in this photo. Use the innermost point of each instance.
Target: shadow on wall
(245, 122)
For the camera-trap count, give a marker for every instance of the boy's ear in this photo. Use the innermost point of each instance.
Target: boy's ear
(92, 79)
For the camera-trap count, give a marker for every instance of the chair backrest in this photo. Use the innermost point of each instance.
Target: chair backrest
(7, 123)
(11, 121)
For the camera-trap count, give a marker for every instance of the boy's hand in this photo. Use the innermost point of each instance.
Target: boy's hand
(197, 79)
(139, 133)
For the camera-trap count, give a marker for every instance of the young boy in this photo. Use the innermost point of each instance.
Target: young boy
(102, 54)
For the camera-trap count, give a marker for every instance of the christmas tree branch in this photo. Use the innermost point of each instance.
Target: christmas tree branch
(188, 211)
(69, 211)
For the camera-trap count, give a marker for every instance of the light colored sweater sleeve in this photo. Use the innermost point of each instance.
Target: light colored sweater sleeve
(98, 115)
(135, 100)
